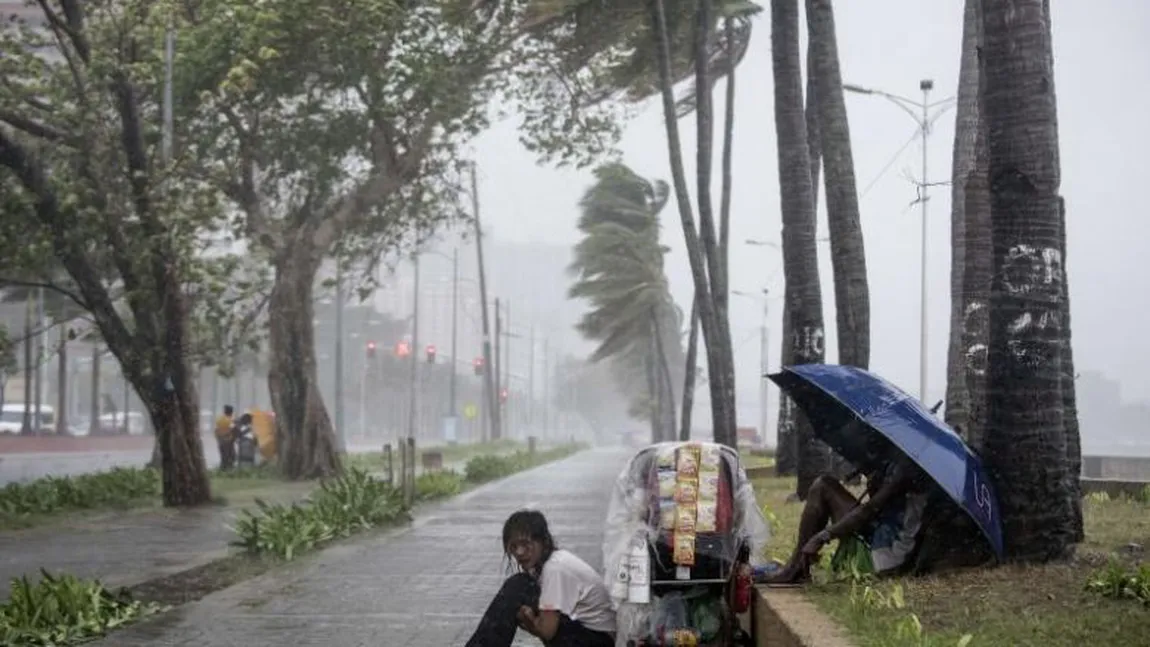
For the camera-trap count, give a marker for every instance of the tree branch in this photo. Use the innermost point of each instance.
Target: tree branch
(47, 285)
(34, 128)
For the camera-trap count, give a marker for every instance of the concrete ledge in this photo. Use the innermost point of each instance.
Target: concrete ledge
(1115, 488)
(786, 618)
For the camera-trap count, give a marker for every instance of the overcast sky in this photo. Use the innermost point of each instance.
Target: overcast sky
(1101, 54)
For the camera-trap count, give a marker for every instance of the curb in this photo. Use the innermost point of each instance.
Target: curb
(786, 618)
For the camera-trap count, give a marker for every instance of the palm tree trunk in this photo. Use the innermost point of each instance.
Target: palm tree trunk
(800, 264)
(666, 384)
(1070, 403)
(94, 405)
(653, 405)
(786, 457)
(689, 373)
(1026, 435)
(814, 142)
(848, 257)
(965, 140)
(27, 427)
(728, 155)
(718, 354)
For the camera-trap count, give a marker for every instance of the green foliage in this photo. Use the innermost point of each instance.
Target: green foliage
(437, 485)
(119, 486)
(351, 503)
(483, 469)
(63, 610)
(618, 270)
(1122, 582)
(8, 363)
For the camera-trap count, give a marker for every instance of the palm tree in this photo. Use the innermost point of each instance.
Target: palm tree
(800, 264)
(619, 270)
(1029, 455)
(848, 257)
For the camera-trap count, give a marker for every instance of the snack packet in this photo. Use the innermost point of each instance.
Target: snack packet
(667, 511)
(684, 553)
(686, 494)
(665, 459)
(708, 486)
(688, 463)
(667, 483)
(709, 460)
(685, 520)
(705, 517)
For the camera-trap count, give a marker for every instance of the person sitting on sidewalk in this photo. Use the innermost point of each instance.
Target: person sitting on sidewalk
(226, 439)
(555, 596)
(888, 521)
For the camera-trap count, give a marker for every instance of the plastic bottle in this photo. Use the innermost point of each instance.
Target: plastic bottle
(639, 586)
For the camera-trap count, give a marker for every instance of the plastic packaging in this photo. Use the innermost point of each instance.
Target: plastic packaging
(639, 583)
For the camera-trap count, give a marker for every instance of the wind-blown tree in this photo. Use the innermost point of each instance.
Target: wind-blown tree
(338, 130)
(618, 267)
(848, 256)
(80, 135)
(1027, 444)
(800, 256)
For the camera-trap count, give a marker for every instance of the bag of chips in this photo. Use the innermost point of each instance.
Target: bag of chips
(686, 494)
(688, 463)
(706, 517)
(685, 520)
(684, 553)
(708, 486)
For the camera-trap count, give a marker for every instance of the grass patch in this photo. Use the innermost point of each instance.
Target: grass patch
(1053, 605)
(374, 461)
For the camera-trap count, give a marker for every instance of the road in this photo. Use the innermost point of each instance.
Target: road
(422, 586)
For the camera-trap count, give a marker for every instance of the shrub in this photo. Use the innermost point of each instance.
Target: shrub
(119, 486)
(436, 485)
(341, 507)
(1117, 581)
(482, 469)
(64, 610)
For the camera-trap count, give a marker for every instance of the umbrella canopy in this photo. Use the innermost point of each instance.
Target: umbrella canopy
(847, 406)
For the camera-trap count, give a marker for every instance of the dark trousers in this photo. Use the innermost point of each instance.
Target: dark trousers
(498, 626)
(227, 453)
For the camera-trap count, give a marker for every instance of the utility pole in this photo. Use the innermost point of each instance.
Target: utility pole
(413, 382)
(531, 382)
(454, 331)
(546, 386)
(498, 352)
(764, 368)
(339, 436)
(921, 113)
(488, 378)
(505, 383)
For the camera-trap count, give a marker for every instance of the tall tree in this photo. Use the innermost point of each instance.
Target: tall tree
(963, 176)
(1026, 436)
(618, 267)
(848, 256)
(800, 256)
(80, 138)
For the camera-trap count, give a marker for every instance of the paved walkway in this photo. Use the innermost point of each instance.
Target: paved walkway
(422, 586)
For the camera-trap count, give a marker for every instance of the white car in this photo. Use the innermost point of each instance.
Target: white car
(12, 418)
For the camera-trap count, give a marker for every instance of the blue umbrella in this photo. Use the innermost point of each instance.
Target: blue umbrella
(842, 401)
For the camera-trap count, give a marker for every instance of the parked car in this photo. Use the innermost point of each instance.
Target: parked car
(12, 418)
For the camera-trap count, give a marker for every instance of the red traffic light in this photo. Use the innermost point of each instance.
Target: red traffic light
(477, 364)
(402, 349)
(371, 349)
(430, 353)
(503, 394)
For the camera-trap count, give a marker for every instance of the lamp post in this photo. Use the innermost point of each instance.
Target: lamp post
(921, 112)
(764, 356)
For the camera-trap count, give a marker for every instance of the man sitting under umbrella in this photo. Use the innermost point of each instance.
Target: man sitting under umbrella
(888, 520)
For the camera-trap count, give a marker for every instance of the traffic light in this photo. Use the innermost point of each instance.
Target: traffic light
(503, 394)
(477, 364)
(371, 349)
(402, 349)
(431, 353)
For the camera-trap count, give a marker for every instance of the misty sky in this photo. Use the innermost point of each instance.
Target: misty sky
(1101, 51)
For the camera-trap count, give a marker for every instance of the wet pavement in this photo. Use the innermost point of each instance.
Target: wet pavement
(421, 586)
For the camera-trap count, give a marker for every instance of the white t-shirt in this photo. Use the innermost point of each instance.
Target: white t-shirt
(570, 586)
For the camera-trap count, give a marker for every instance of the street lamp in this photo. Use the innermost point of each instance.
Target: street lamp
(921, 112)
(764, 351)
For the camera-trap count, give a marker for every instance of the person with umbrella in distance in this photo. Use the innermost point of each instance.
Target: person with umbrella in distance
(888, 518)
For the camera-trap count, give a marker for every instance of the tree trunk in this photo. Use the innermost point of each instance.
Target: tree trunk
(94, 405)
(1026, 436)
(848, 257)
(653, 390)
(814, 142)
(965, 139)
(667, 409)
(716, 335)
(786, 457)
(1070, 403)
(62, 383)
(689, 373)
(803, 305)
(305, 439)
(27, 426)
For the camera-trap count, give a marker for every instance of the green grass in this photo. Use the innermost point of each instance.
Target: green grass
(1015, 606)
(373, 461)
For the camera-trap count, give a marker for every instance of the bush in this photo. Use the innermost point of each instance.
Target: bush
(64, 610)
(1117, 581)
(341, 507)
(482, 469)
(119, 486)
(437, 485)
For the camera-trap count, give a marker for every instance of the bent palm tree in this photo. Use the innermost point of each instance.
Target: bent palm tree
(619, 270)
